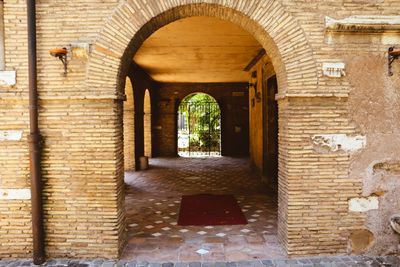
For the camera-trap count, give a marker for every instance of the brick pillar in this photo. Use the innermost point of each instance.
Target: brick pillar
(314, 185)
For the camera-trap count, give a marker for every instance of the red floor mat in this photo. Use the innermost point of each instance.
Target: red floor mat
(207, 209)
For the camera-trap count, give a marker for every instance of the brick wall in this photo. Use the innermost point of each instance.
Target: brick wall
(321, 209)
(65, 118)
(81, 120)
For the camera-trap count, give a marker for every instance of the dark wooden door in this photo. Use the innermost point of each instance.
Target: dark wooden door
(270, 129)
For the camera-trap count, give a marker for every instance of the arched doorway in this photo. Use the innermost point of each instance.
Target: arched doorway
(198, 117)
(285, 56)
(199, 126)
(147, 125)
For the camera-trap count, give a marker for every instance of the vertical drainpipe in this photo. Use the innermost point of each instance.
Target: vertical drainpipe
(2, 37)
(35, 142)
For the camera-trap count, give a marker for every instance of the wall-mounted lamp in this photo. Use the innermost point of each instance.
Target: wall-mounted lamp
(392, 56)
(61, 54)
(253, 85)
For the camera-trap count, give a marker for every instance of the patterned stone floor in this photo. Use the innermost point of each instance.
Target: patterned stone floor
(354, 261)
(152, 207)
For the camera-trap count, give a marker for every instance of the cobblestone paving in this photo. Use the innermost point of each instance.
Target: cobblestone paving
(347, 261)
(152, 208)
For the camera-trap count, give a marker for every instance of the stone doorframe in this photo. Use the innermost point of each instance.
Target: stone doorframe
(132, 22)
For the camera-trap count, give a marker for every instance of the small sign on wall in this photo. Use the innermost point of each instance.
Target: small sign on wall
(8, 78)
(334, 70)
(10, 135)
(15, 194)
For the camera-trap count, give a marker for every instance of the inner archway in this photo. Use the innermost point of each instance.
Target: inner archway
(199, 126)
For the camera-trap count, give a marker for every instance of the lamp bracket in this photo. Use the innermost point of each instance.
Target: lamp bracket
(392, 56)
(61, 54)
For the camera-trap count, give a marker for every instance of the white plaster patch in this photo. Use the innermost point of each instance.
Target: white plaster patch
(15, 194)
(364, 204)
(11, 135)
(336, 142)
(8, 78)
(333, 70)
(80, 50)
(390, 39)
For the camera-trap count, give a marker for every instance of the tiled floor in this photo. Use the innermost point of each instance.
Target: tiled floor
(343, 261)
(152, 207)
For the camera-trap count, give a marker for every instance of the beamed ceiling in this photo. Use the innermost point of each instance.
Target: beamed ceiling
(198, 49)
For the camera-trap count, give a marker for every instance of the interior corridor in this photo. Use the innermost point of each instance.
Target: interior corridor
(152, 208)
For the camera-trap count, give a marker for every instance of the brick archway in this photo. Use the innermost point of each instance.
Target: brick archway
(131, 24)
(274, 28)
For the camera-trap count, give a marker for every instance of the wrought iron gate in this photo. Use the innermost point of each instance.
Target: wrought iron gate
(199, 129)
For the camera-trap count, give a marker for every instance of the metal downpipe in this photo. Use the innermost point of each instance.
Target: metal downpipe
(35, 141)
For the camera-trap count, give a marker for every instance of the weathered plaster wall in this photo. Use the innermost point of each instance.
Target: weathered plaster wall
(375, 107)
(234, 113)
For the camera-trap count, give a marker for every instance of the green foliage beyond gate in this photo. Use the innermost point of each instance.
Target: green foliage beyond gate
(199, 126)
